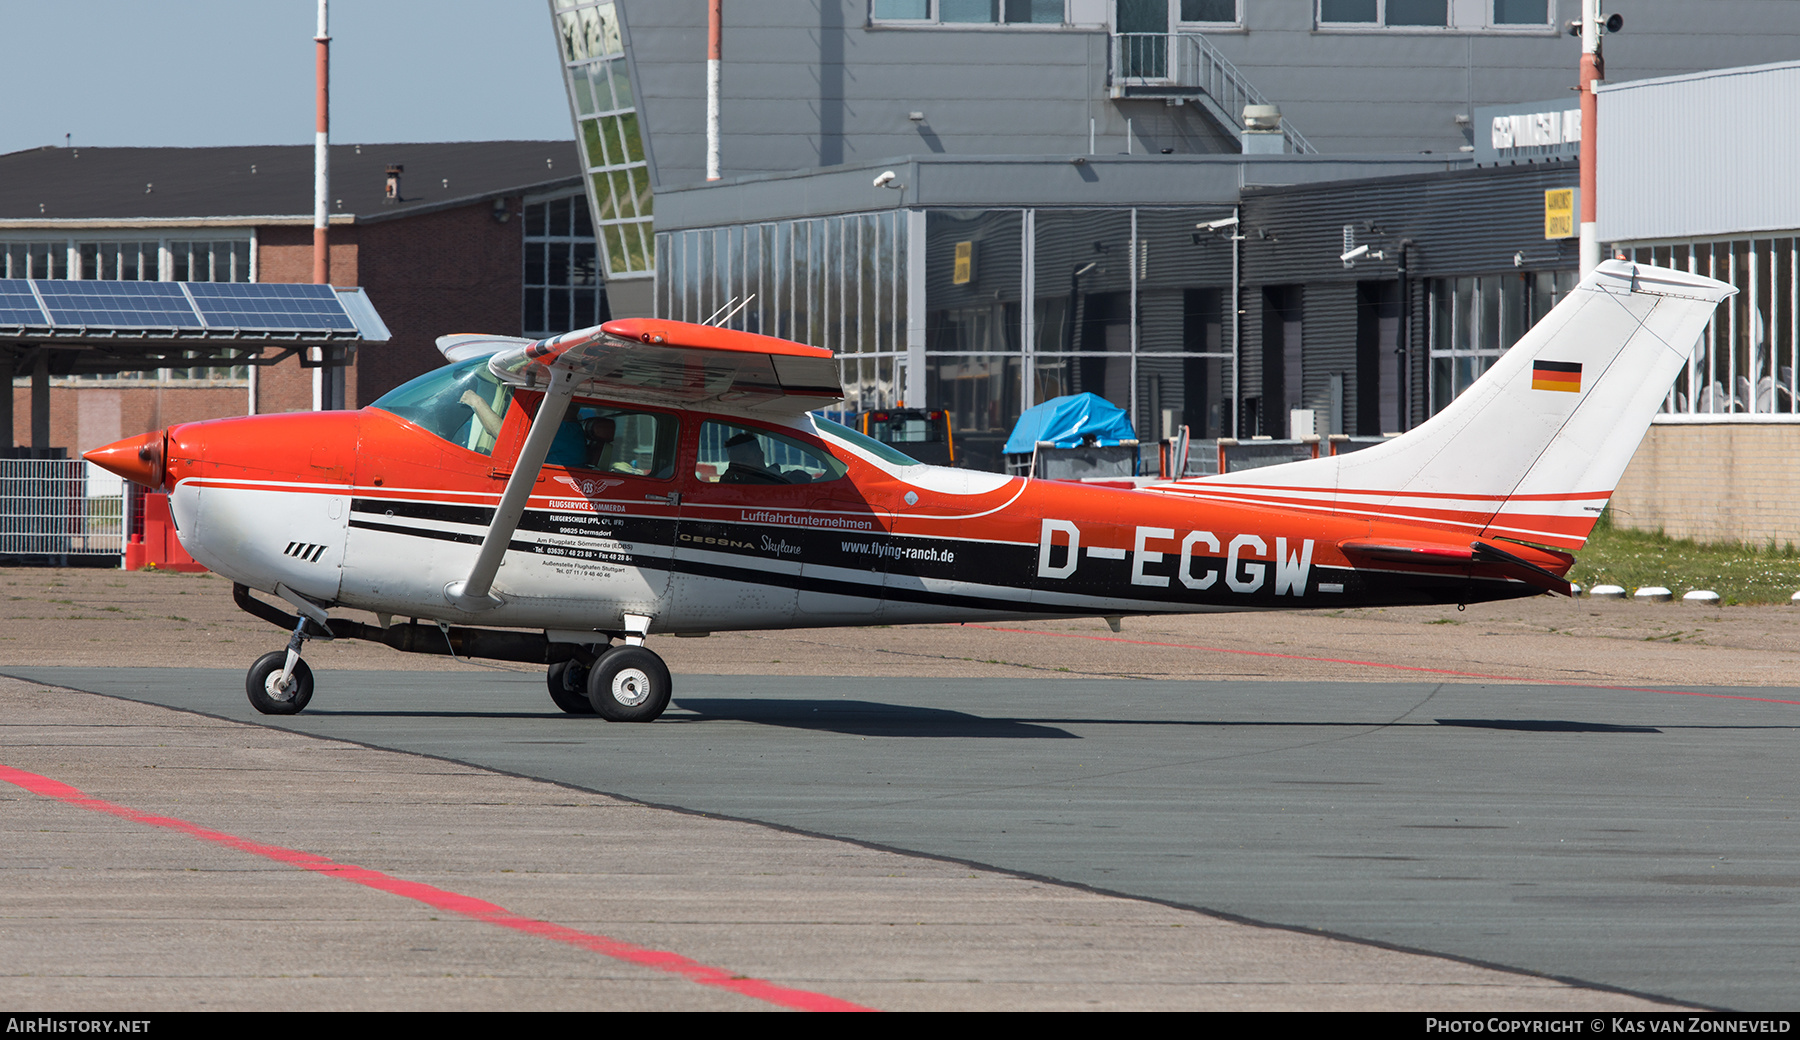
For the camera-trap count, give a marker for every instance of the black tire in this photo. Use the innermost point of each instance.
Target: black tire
(260, 685)
(629, 684)
(568, 682)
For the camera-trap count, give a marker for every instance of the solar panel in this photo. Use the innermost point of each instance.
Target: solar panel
(133, 305)
(17, 304)
(269, 306)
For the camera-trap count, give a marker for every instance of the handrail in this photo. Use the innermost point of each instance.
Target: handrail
(1144, 60)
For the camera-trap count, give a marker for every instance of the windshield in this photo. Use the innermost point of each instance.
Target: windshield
(462, 403)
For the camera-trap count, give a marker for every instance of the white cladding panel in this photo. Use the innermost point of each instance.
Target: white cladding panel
(1707, 154)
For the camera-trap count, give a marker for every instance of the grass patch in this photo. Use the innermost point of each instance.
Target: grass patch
(1738, 573)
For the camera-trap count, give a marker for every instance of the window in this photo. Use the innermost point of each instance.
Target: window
(462, 403)
(969, 12)
(562, 282)
(612, 144)
(1503, 15)
(732, 454)
(1392, 13)
(1475, 320)
(209, 261)
(37, 260)
(1534, 13)
(615, 440)
(1210, 12)
(120, 261)
(1746, 360)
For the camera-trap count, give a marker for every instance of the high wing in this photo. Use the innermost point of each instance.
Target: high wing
(640, 361)
(670, 363)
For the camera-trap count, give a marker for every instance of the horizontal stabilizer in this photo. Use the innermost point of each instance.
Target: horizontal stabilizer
(1439, 555)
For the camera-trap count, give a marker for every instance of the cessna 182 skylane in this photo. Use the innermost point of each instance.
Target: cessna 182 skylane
(576, 494)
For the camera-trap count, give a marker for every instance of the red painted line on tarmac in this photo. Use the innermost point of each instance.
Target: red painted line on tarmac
(441, 899)
(1383, 664)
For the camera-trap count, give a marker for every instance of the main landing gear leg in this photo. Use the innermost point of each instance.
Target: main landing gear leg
(630, 683)
(280, 683)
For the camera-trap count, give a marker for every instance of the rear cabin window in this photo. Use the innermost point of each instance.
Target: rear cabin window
(732, 454)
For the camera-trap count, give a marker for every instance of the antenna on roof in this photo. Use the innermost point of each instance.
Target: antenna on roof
(716, 321)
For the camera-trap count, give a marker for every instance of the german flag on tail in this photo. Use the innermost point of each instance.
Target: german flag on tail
(1556, 375)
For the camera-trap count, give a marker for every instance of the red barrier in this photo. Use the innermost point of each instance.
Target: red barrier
(158, 548)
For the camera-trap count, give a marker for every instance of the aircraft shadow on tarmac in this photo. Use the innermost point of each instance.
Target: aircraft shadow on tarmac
(1547, 725)
(861, 718)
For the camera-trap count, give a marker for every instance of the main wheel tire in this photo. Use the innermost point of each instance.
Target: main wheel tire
(629, 684)
(265, 673)
(568, 682)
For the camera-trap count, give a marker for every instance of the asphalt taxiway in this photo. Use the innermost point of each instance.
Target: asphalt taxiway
(1521, 806)
(1630, 838)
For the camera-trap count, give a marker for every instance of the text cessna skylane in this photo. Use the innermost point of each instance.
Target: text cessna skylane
(578, 493)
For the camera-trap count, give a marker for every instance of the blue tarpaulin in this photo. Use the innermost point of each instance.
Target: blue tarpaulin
(1067, 421)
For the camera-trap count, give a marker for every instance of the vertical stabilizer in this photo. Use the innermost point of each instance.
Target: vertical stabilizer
(1533, 450)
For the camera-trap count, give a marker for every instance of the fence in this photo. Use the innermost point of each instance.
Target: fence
(1235, 456)
(55, 509)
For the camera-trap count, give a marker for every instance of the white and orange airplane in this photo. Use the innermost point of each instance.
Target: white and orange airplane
(560, 500)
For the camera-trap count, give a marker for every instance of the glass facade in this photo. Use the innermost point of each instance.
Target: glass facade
(832, 282)
(562, 284)
(983, 313)
(1475, 319)
(606, 125)
(1746, 362)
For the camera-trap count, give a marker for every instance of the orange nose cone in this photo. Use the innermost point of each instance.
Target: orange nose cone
(138, 459)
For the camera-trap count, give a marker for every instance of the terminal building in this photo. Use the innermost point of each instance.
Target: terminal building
(1077, 202)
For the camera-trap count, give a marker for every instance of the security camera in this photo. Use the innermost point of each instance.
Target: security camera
(885, 178)
(1355, 254)
(1218, 225)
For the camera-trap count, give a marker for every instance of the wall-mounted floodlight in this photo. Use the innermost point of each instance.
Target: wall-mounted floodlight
(917, 117)
(885, 179)
(1218, 225)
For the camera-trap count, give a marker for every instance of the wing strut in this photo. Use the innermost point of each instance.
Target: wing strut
(474, 593)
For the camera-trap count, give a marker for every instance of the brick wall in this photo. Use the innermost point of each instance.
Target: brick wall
(456, 270)
(285, 254)
(92, 417)
(1714, 482)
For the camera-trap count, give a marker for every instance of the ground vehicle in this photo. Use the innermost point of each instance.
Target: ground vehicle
(922, 433)
(687, 489)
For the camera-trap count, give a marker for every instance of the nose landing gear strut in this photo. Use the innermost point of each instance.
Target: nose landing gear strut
(280, 683)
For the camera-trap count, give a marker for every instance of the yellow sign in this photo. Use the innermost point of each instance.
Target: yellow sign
(1559, 213)
(964, 271)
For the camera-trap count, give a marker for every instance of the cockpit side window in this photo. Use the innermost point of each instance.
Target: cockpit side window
(462, 403)
(615, 440)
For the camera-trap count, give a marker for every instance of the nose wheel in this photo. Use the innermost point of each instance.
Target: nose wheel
(268, 692)
(280, 683)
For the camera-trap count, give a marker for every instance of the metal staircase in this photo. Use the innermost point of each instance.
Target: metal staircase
(1186, 65)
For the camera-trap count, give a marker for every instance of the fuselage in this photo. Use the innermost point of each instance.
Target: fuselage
(370, 510)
